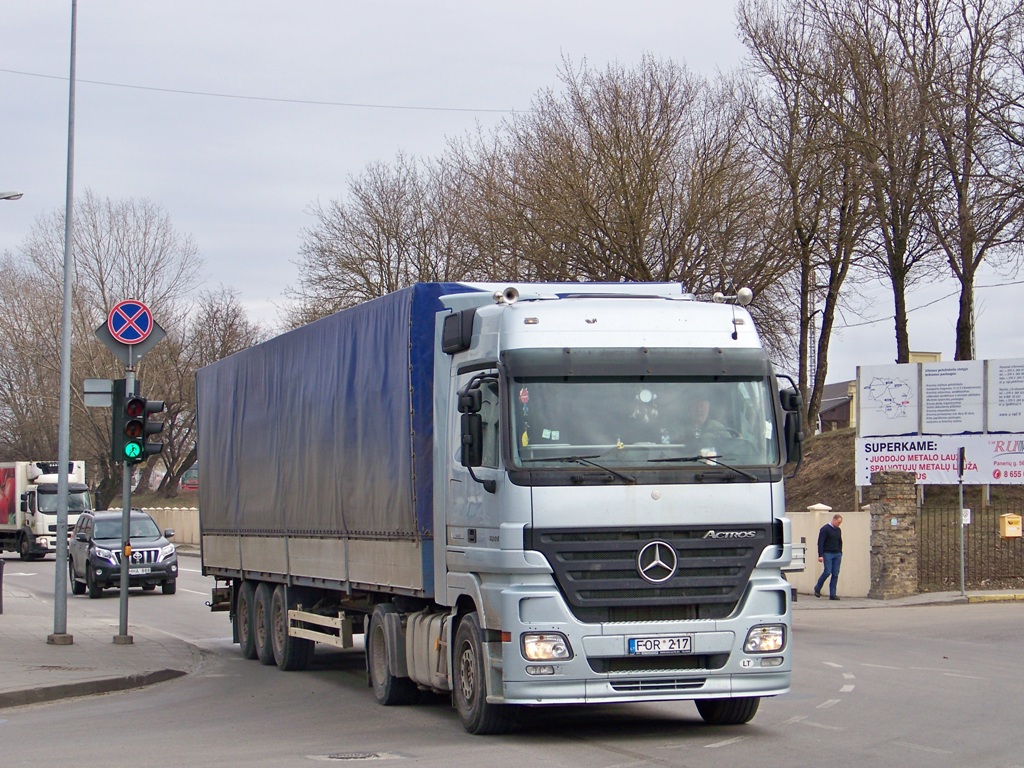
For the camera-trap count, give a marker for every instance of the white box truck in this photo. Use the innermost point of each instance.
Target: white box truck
(28, 505)
(519, 496)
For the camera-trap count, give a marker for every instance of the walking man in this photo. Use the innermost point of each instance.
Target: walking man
(830, 554)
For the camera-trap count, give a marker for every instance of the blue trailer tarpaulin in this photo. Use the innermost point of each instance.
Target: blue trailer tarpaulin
(326, 429)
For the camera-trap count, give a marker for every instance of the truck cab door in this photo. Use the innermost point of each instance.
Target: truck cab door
(474, 490)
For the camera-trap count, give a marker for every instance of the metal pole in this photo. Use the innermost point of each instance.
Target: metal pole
(60, 635)
(960, 470)
(122, 637)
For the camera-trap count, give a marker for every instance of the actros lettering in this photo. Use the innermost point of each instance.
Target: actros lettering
(713, 534)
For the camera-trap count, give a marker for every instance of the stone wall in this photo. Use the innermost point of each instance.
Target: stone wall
(892, 502)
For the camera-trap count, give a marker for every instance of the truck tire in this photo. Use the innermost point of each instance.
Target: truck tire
(94, 589)
(25, 546)
(261, 624)
(469, 679)
(728, 711)
(292, 654)
(244, 616)
(77, 587)
(389, 690)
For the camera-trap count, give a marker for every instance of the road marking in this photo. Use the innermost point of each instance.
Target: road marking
(794, 720)
(822, 725)
(726, 743)
(828, 704)
(847, 688)
(881, 666)
(965, 677)
(832, 664)
(193, 592)
(849, 676)
(922, 748)
(189, 570)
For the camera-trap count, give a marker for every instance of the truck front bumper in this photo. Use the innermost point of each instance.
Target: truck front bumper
(602, 667)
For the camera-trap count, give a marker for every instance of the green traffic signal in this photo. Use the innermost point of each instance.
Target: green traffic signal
(134, 428)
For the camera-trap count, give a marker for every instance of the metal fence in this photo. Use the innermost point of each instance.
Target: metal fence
(990, 562)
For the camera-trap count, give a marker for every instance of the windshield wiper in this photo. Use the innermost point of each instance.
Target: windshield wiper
(587, 462)
(712, 459)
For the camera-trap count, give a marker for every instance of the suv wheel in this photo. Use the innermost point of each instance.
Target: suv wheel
(77, 587)
(169, 587)
(95, 590)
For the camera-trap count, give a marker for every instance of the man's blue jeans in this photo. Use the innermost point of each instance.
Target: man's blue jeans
(832, 562)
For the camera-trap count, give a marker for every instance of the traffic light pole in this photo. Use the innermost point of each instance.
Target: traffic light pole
(122, 637)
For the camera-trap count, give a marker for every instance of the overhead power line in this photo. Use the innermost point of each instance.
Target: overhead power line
(924, 306)
(272, 99)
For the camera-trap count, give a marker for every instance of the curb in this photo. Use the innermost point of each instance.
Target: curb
(86, 687)
(1011, 598)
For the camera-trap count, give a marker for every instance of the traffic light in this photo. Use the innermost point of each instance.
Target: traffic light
(136, 426)
(134, 429)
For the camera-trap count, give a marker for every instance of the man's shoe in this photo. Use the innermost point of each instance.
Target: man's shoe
(817, 593)
(833, 598)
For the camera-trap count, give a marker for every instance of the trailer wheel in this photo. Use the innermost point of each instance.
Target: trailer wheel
(244, 618)
(261, 624)
(291, 653)
(77, 587)
(469, 674)
(389, 690)
(728, 711)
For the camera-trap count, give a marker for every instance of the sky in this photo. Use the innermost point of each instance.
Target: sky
(236, 117)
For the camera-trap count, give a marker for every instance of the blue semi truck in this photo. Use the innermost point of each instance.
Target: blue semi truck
(503, 491)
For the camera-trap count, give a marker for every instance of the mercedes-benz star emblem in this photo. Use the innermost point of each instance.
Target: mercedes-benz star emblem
(657, 562)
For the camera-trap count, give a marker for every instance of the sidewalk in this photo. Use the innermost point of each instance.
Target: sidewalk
(810, 602)
(32, 670)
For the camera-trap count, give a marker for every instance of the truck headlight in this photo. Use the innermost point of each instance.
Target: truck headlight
(545, 646)
(765, 638)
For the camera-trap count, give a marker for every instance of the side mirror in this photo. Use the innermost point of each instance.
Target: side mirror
(793, 428)
(168, 533)
(80, 536)
(472, 439)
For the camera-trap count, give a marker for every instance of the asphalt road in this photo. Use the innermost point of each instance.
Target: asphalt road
(913, 686)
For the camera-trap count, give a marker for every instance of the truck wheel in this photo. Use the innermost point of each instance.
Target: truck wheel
(388, 689)
(728, 711)
(25, 546)
(261, 624)
(77, 587)
(292, 654)
(95, 590)
(469, 673)
(244, 616)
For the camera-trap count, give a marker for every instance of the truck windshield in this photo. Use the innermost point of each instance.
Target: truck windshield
(78, 501)
(637, 421)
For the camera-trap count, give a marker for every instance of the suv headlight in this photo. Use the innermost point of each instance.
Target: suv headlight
(104, 554)
(765, 638)
(166, 552)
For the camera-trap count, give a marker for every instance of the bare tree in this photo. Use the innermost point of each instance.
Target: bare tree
(122, 249)
(970, 90)
(801, 81)
(885, 117)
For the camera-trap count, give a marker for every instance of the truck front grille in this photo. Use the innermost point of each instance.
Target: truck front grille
(598, 572)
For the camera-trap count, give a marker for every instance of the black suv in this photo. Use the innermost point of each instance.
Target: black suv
(94, 554)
